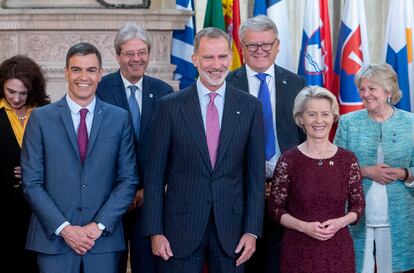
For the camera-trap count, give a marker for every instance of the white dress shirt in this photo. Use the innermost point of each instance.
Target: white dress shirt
(138, 93)
(204, 98)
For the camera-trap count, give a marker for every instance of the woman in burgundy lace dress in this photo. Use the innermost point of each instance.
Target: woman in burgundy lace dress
(316, 192)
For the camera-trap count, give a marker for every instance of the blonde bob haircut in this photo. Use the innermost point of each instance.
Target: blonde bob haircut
(313, 92)
(383, 75)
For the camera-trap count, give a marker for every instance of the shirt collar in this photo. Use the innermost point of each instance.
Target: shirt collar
(127, 83)
(251, 73)
(3, 103)
(204, 91)
(7, 107)
(75, 108)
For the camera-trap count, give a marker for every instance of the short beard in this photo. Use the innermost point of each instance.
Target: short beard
(211, 81)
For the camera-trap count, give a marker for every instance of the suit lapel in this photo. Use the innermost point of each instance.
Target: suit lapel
(66, 116)
(147, 104)
(231, 115)
(96, 124)
(281, 85)
(192, 115)
(118, 92)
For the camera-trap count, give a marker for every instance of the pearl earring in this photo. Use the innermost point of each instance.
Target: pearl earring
(389, 100)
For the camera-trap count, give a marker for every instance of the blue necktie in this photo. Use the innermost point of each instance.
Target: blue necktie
(134, 110)
(269, 130)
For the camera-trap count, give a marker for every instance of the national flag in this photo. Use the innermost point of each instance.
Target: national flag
(225, 15)
(232, 21)
(399, 48)
(214, 15)
(182, 48)
(277, 11)
(351, 55)
(315, 63)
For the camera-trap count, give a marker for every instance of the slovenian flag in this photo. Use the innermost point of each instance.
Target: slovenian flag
(315, 63)
(277, 10)
(351, 55)
(182, 48)
(399, 48)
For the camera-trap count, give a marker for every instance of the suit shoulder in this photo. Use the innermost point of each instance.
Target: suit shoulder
(235, 73)
(290, 75)
(243, 95)
(113, 108)
(107, 83)
(404, 114)
(109, 78)
(51, 106)
(354, 116)
(158, 84)
(174, 96)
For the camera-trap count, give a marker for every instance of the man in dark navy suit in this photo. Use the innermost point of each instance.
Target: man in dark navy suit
(207, 149)
(133, 47)
(260, 46)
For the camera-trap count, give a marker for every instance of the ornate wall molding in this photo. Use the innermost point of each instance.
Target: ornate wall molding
(46, 34)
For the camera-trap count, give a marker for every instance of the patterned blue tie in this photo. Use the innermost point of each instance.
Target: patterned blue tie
(269, 130)
(134, 110)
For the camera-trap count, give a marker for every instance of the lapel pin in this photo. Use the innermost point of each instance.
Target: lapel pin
(151, 95)
(238, 112)
(284, 82)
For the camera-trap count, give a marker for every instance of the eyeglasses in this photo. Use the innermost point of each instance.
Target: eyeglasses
(264, 46)
(131, 54)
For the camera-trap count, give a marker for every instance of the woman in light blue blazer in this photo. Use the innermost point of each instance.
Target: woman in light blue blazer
(382, 138)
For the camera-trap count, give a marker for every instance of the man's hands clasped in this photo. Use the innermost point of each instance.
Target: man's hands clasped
(81, 239)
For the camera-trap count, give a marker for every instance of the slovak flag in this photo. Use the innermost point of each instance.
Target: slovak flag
(351, 55)
(315, 63)
(399, 48)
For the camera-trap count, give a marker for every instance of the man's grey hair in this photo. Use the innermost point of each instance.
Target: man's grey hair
(128, 32)
(258, 23)
(211, 33)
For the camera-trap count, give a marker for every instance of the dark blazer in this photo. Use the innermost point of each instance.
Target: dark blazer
(233, 192)
(288, 86)
(14, 209)
(111, 89)
(60, 188)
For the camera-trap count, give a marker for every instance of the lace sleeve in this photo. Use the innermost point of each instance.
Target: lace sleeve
(356, 202)
(279, 190)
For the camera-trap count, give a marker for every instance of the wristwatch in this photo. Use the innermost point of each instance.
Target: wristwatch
(101, 227)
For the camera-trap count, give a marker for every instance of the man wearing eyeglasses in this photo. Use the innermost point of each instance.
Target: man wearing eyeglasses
(276, 88)
(138, 93)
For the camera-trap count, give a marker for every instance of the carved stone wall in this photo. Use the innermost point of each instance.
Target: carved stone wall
(46, 34)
